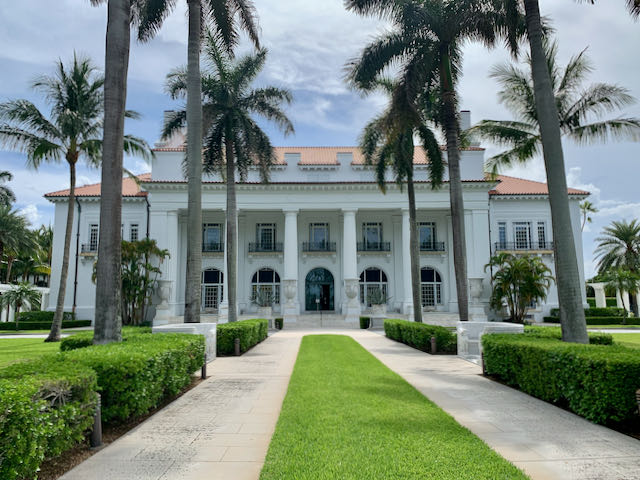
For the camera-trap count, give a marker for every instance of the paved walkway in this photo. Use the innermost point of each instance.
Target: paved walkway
(222, 428)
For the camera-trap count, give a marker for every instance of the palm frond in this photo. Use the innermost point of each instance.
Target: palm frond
(434, 155)
(25, 115)
(615, 129)
(152, 14)
(36, 148)
(137, 146)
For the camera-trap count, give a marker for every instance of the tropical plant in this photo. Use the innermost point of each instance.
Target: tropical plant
(586, 208)
(625, 282)
(19, 295)
(376, 296)
(580, 109)
(619, 247)
(518, 281)
(233, 139)
(7, 196)
(13, 228)
(222, 14)
(425, 41)
(388, 142)
(71, 133)
(263, 297)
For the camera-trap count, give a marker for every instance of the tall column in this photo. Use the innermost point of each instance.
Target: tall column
(172, 235)
(165, 229)
(350, 304)
(407, 293)
(601, 298)
(291, 307)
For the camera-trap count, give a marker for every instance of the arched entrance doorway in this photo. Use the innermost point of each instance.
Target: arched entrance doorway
(318, 290)
(212, 280)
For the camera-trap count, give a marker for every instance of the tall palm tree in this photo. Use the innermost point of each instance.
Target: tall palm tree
(71, 133)
(387, 141)
(18, 295)
(233, 141)
(586, 208)
(426, 40)
(13, 227)
(619, 246)
(25, 245)
(222, 14)
(6, 194)
(579, 109)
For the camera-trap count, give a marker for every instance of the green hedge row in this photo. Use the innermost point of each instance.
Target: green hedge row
(611, 302)
(597, 382)
(34, 325)
(601, 320)
(250, 333)
(595, 338)
(594, 312)
(43, 316)
(418, 335)
(46, 407)
(85, 339)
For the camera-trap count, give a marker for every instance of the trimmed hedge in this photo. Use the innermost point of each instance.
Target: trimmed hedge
(85, 339)
(595, 338)
(250, 333)
(601, 320)
(418, 335)
(597, 382)
(47, 406)
(594, 312)
(34, 325)
(43, 316)
(365, 322)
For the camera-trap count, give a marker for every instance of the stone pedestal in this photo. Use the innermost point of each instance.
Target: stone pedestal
(477, 305)
(470, 333)
(351, 305)
(206, 329)
(291, 306)
(163, 314)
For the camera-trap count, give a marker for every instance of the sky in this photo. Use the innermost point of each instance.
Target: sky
(309, 44)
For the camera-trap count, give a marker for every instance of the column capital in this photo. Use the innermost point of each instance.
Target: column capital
(349, 211)
(291, 211)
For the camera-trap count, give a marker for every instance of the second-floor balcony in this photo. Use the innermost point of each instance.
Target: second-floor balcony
(212, 247)
(432, 247)
(374, 246)
(89, 248)
(522, 246)
(318, 246)
(265, 247)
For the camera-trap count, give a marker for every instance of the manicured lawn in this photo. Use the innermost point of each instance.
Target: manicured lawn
(39, 332)
(347, 416)
(627, 339)
(599, 327)
(15, 349)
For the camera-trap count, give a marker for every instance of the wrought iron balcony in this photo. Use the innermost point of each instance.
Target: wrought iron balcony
(318, 246)
(213, 247)
(89, 248)
(269, 247)
(432, 247)
(522, 246)
(374, 246)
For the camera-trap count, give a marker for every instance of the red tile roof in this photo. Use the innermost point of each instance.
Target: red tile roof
(129, 188)
(519, 186)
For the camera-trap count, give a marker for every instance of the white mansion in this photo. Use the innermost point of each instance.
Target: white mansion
(319, 236)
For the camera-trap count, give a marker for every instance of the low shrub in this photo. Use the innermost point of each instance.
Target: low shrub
(137, 374)
(591, 301)
(278, 323)
(418, 335)
(594, 312)
(43, 316)
(34, 325)
(597, 382)
(85, 339)
(365, 322)
(601, 320)
(47, 407)
(250, 333)
(595, 338)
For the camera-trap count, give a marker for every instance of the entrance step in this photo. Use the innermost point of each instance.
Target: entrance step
(443, 319)
(324, 320)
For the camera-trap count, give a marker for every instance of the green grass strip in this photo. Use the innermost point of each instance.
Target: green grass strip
(627, 339)
(16, 349)
(347, 416)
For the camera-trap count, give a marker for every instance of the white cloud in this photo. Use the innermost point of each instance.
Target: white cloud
(31, 213)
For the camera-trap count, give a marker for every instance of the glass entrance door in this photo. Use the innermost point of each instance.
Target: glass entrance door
(319, 290)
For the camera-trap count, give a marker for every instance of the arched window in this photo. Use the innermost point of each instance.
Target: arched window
(372, 279)
(430, 287)
(212, 279)
(268, 281)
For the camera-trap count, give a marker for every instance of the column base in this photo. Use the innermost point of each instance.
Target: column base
(351, 306)
(477, 313)
(163, 317)
(407, 308)
(223, 312)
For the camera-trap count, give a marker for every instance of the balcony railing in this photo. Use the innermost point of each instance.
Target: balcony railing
(374, 246)
(257, 247)
(432, 247)
(213, 247)
(522, 246)
(318, 246)
(89, 248)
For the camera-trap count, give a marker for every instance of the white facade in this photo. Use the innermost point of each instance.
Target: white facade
(319, 235)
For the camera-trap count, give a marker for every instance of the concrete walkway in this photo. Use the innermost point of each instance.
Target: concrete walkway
(222, 428)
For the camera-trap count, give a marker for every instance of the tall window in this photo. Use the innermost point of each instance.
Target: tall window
(93, 237)
(522, 235)
(266, 235)
(427, 231)
(431, 287)
(542, 235)
(319, 234)
(133, 232)
(502, 234)
(372, 235)
(266, 280)
(212, 237)
(370, 280)
(212, 279)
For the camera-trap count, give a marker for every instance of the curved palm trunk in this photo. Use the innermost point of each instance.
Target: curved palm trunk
(56, 324)
(414, 252)
(108, 316)
(574, 328)
(232, 229)
(452, 134)
(194, 160)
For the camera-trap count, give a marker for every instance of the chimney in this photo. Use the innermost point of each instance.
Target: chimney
(465, 120)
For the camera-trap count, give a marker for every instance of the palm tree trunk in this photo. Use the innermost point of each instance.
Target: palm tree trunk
(574, 327)
(452, 134)
(414, 251)
(108, 311)
(56, 324)
(232, 228)
(10, 260)
(194, 160)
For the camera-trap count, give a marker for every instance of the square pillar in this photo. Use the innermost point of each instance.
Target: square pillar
(164, 228)
(350, 304)
(601, 298)
(407, 289)
(291, 307)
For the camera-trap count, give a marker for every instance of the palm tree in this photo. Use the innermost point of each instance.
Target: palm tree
(19, 295)
(623, 281)
(222, 13)
(6, 194)
(586, 208)
(577, 107)
(13, 228)
(233, 140)
(71, 133)
(619, 246)
(387, 141)
(426, 41)
(25, 245)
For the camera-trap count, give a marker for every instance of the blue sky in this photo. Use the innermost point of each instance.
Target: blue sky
(309, 44)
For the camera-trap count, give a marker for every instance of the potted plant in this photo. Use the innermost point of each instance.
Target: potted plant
(263, 298)
(378, 300)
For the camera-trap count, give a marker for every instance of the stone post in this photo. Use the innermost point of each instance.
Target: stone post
(350, 304)
(291, 307)
(601, 298)
(407, 297)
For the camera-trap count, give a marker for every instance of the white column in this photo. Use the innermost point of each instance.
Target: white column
(601, 298)
(407, 302)
(350, 304)
(223, 307)
(291, 307)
